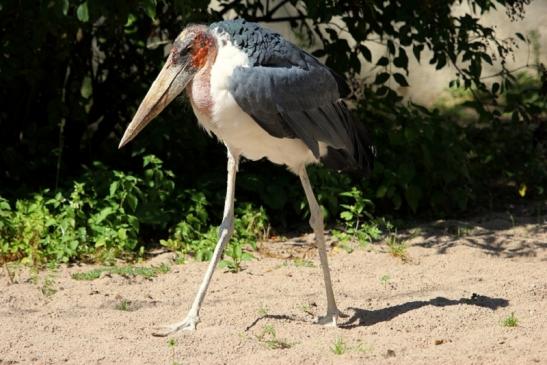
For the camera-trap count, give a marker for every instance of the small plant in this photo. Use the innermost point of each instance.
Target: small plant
(123, 305)
(363, 348)
(262, 311)
(510, 321)
(236, 256)
(397, 248)
(48, 287)
(459, 230)
(269, 338)
(172, 343)
(385, 280)
(307, 308)
(339, 347)
(196, 236)
(463, 231)
(300, 262)
(127, 271)
(9, 274)
(353, 214)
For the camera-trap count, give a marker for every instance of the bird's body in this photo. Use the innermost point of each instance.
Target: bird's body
(260, 94)
(219, 113)
(262, 97)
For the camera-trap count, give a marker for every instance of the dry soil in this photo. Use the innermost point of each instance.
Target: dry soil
(444, 305)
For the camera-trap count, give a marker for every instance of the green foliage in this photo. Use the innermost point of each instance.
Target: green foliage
(396, 247)
(128, 271)
(385, 280)
(423, 162)
(250, 226)
(269, 338)
(100, 217)
(236, 256)
(453, 157)
(355, 215)
(195, 236)
(339, 347)
(124, 305)
(510, 321)
(69, 89)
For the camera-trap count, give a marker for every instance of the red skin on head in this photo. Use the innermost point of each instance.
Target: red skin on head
(200, 49)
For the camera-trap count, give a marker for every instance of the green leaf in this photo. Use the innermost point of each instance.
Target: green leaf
(346, 216)
(113, 188)
(417, 49)
(381, 192)
(150, 8)
(522, 190)
(83, 13)
(319, 53)
(103, 214)
(401, 80)
(515, 117)
(382, 90)
(441, 61)
(383, 61)
(391, 46)
(495, 87)
(132, 201)
(381, 78)
(486, 57)
(412, 196)
(87, 89)
(366, 53)
(401, 60)
(65, 7)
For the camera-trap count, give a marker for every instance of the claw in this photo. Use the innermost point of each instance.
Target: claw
(328, 321)
(331, 319)
(189, 324)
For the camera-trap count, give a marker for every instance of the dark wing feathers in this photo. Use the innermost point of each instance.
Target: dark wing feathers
(290, 94)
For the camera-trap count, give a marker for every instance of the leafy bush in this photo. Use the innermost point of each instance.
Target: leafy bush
(196, 236)
(70, 89)
(90, 220)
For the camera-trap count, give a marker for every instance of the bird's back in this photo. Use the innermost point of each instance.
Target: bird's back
(291, 95)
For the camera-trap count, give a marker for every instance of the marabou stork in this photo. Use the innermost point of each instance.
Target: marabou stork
(261, 96)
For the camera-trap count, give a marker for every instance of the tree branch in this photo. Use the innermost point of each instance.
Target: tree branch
(276, 8)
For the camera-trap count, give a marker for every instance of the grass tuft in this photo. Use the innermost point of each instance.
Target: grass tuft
(397, 248)
(510, 321)
(128, 271)
(268, 337)
(339, 347)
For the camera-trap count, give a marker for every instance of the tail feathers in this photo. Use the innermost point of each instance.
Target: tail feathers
(359, 157)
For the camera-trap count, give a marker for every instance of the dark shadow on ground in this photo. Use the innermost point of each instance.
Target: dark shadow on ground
(494, 234)
(363, 317)
(271, 316)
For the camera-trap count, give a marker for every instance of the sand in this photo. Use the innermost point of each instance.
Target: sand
(444, 305)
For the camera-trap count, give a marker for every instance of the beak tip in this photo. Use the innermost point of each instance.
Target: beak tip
(125, 140)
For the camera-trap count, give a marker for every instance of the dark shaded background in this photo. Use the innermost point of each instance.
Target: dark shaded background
(73, 73)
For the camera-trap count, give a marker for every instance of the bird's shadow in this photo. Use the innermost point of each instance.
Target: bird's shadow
(363, 317)
(271, 316)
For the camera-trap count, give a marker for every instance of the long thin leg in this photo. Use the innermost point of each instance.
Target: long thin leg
(316, 223)
(225, 232)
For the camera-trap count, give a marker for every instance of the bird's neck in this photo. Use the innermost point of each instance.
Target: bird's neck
(199, 89)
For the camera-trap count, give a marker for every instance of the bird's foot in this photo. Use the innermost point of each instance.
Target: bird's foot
(188, 324)
(330, 319)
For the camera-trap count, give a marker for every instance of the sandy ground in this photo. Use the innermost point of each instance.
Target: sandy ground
(445, 305)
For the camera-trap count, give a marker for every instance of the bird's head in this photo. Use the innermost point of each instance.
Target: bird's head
(189, 54)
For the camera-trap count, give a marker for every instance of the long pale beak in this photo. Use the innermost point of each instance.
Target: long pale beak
(170, 82)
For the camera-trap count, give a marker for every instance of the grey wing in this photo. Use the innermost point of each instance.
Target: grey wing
(295, 102)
